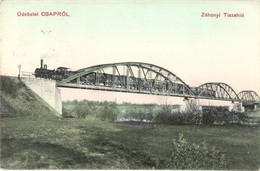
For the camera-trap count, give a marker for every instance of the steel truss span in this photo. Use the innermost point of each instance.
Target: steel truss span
(145, 78)
(249, 96)
(133, 77)
(216, 90)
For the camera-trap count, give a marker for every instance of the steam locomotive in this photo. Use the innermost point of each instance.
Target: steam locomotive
(59, 74)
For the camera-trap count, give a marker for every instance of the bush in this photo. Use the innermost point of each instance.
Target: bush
(221, 115)
(68, 114)
(108, 112)
(193, 114)
(183, 155)
(163, 115)
(104, 111)
(208, 115)
(80, 110)
(139, 112)
(167, 115)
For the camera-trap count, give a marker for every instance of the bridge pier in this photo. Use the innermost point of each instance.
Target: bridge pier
(47, 90)
(255, 107)
(251, 106)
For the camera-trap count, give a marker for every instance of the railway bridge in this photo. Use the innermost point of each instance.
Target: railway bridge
(145, 78)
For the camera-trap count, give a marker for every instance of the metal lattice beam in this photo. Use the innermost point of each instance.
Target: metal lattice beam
(136, 77)
(217, 90)
(139, 77)
(249, 96)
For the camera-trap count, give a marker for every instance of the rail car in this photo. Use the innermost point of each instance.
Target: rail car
(204, 92)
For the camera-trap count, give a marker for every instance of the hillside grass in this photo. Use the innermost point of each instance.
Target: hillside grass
(17, 100)
(35, 138)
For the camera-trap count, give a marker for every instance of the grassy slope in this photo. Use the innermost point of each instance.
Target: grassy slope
(41, 140)
(23, 101)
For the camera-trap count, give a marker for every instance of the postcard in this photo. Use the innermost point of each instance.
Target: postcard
(129, 84)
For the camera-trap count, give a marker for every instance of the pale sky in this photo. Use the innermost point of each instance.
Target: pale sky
(170, 34)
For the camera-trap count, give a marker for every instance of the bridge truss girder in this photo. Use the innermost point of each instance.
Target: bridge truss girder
(249, 97)
(216, 91)
(131, 77)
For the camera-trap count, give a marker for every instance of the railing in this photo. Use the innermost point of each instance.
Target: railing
(28, 74)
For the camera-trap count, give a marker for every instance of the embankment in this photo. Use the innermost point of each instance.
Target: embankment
(17, 100)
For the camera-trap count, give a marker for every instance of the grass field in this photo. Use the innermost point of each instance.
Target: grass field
(92, 144)
(37, 139)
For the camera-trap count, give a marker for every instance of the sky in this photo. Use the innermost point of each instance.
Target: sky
(170, 34)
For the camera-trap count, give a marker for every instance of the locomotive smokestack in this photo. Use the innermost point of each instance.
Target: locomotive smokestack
(41, 63)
